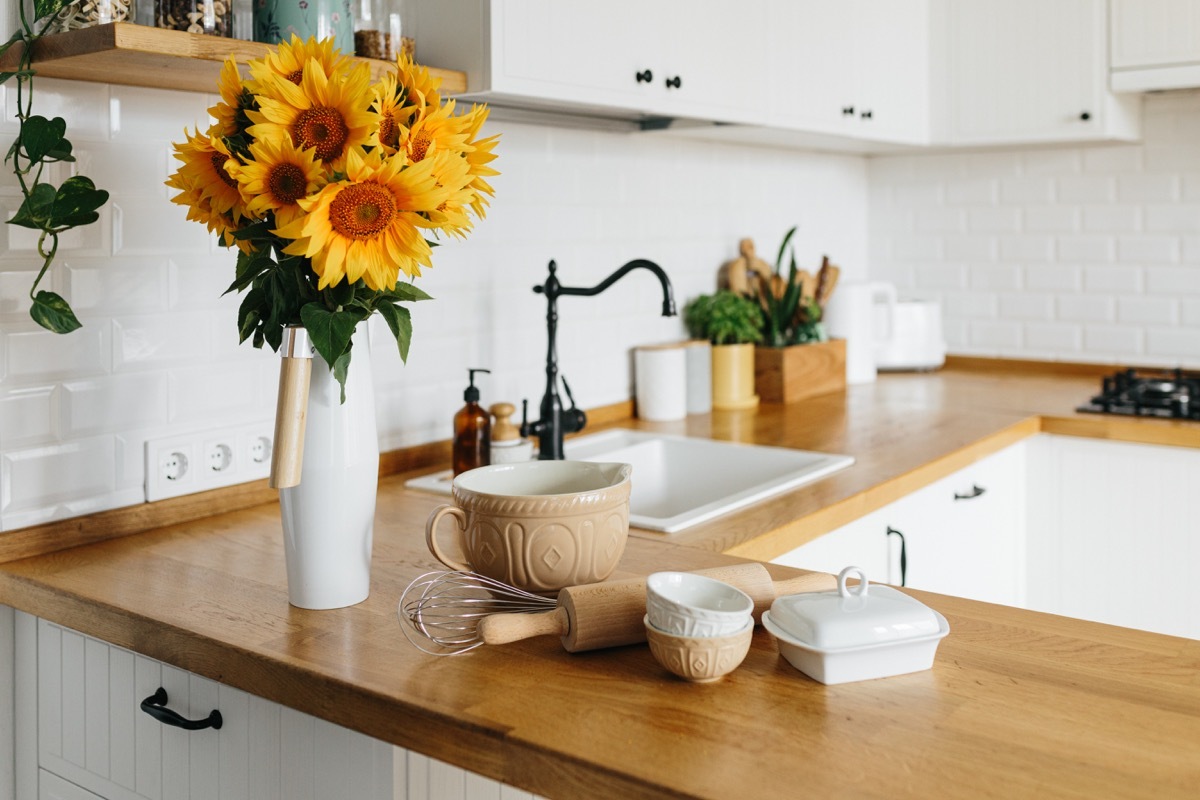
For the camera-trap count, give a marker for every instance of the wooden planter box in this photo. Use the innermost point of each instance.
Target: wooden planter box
(788, 374)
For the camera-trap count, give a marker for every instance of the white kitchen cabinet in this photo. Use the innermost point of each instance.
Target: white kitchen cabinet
(1024, 71)
(1114, 533)
(80, 734)
(696, 59)
(1154, 44)
(858, 69)
(963, 535)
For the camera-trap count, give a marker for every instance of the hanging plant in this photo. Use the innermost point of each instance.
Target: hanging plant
(48, 209)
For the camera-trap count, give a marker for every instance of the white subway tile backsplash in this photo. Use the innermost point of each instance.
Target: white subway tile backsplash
(151, 226)
(1085, 248)
(970, 248)
(1026, 306)
(1086, 308)
(1147, 188)
(1112, 218)
(27, 416)
(1026, 248)
(995, 336)
(1053, 277)
(215, 394)
(1173, 280)
(84, 106)
(1148, 249)
(940, 276)
(969, 305)
(940, 220)
(1112, 278)
(38, 355)
(1026, 190)
(1175, 218)
(1189, 314)
(996, 277)
(972, 192)
(160, 340)
(131, 284)
(33, 478)
(1054, 337)
(916, 248)
(1179, 346)
(994, 220)
(1116, 339)
(1147, 311)
(113, 403)
(1121, 158)
(1087, 188)
(1051, 162)
(1051, 219)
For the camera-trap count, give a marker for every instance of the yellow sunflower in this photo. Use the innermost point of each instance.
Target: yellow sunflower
(290, 58)
(203, 169)
(277, 176)
(394, 112)
(437, 132)
(236, 100)
(479, 156)
(200, 210)
(330, 114)
(368, 225)
(419, 87)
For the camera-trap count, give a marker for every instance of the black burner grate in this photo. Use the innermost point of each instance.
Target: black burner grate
(1172, 394)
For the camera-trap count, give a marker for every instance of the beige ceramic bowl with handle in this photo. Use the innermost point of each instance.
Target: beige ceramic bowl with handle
(538, 525)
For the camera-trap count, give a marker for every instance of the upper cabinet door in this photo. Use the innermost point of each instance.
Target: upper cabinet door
(891, 57)
(667, 58)
(1027, 70)
(1154, 44)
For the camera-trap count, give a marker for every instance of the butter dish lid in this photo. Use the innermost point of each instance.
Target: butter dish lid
(852, 616)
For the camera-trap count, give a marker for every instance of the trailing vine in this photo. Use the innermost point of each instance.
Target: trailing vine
(48, 209)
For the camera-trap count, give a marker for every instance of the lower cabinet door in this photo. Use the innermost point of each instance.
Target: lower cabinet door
(52, 787)
(93, 732)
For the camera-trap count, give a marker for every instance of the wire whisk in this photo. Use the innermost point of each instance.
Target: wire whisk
(444, 608)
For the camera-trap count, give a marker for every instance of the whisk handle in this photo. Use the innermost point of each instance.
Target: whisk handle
(505, 628)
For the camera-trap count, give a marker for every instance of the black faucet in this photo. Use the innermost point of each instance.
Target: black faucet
(555, 420)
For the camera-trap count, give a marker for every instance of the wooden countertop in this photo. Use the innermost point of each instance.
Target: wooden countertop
(1018, 703)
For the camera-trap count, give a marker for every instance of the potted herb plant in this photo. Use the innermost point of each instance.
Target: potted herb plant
(733, 324)
(796, 358)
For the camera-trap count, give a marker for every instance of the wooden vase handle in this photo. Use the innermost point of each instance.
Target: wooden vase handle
(291, 413)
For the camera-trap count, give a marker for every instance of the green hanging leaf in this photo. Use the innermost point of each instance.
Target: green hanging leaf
(249, 314)
(36, 210)
(76, 202)
(41, 136)
(44, 8)
(53, 313)
(406, 292)
(329, 331)
(249, 267)
(21, 73)
(399, 322)
(341, 368)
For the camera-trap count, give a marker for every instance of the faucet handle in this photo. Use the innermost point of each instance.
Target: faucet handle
(525, 429)
(574, 419)
(567, 389)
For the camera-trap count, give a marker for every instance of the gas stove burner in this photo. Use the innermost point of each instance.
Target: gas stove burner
(1172, 394)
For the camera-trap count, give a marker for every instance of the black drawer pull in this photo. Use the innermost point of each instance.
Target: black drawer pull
(976, 491)
(645, 76)
(674, 83)
(155, 706)
(903, 554)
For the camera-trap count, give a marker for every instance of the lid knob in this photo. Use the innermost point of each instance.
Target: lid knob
(846, 591)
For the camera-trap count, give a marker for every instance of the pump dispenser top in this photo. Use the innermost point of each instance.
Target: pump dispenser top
(472, 430)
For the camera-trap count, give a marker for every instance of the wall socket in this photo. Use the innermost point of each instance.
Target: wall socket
(178, 465)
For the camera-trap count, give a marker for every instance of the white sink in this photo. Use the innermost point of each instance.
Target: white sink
(679, 481)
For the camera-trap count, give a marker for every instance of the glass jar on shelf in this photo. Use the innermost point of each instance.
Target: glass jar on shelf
(209, 17)
(86, 13)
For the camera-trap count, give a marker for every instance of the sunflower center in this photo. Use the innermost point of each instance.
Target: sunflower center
(296, 76)
(389, 132)
(362, 211)
(218, 162)
(420, 144)
(323, 128)
(287, 183)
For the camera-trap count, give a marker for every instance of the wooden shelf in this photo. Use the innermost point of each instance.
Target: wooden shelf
(136, 55)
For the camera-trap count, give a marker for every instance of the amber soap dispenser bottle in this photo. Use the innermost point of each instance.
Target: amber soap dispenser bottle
(472, 430)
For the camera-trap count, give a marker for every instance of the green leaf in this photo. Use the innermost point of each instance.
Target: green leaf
(249, 314)
(399, 322)
(341, 368)
(21, 73)
(53, 313)
(249, 267)
(329, 331)
(36, 209)
(44, 8)
(76, 202)
(41, 136)
(406, 292)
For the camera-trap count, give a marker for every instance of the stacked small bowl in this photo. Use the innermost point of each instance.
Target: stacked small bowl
(698, 628)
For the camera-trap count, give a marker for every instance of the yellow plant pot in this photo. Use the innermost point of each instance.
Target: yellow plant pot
(733, 377)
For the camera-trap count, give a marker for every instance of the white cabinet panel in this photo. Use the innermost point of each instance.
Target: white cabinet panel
(52, 787)
(1028, 71)
(1155, 44)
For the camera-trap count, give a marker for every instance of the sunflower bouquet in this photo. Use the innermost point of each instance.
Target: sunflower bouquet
(329, 186)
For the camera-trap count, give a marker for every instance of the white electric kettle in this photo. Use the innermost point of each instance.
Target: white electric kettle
(908, 333)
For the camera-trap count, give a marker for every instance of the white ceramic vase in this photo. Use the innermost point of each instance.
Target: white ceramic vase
(328, 519)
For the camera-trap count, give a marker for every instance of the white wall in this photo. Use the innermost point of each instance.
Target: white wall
(1069, 254)
(158, 353)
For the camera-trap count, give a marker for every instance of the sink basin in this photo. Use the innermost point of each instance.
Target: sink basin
(679, 481)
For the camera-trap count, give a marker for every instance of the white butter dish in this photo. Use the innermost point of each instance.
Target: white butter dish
(855, 634)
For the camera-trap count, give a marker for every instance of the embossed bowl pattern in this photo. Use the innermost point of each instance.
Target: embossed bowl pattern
(699, 659)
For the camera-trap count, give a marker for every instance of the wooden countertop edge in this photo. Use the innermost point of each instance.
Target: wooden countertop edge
(772, 544)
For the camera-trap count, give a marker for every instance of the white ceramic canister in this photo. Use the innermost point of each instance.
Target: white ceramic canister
(699, 376)
(660, 382)
(850, 316)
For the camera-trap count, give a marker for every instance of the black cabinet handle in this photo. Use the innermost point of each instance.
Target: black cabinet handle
(155, 706)
(645, 76)
(1085, 116)
(866, 115)
(674, 83)
(847, 111)
(976, 491)
(903, 554)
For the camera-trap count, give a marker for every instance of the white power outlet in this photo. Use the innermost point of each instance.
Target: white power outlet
(179, 465)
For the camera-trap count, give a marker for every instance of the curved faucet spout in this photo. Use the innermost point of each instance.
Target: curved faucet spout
(556, 420)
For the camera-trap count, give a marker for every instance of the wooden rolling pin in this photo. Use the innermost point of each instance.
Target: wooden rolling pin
(609, 614)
